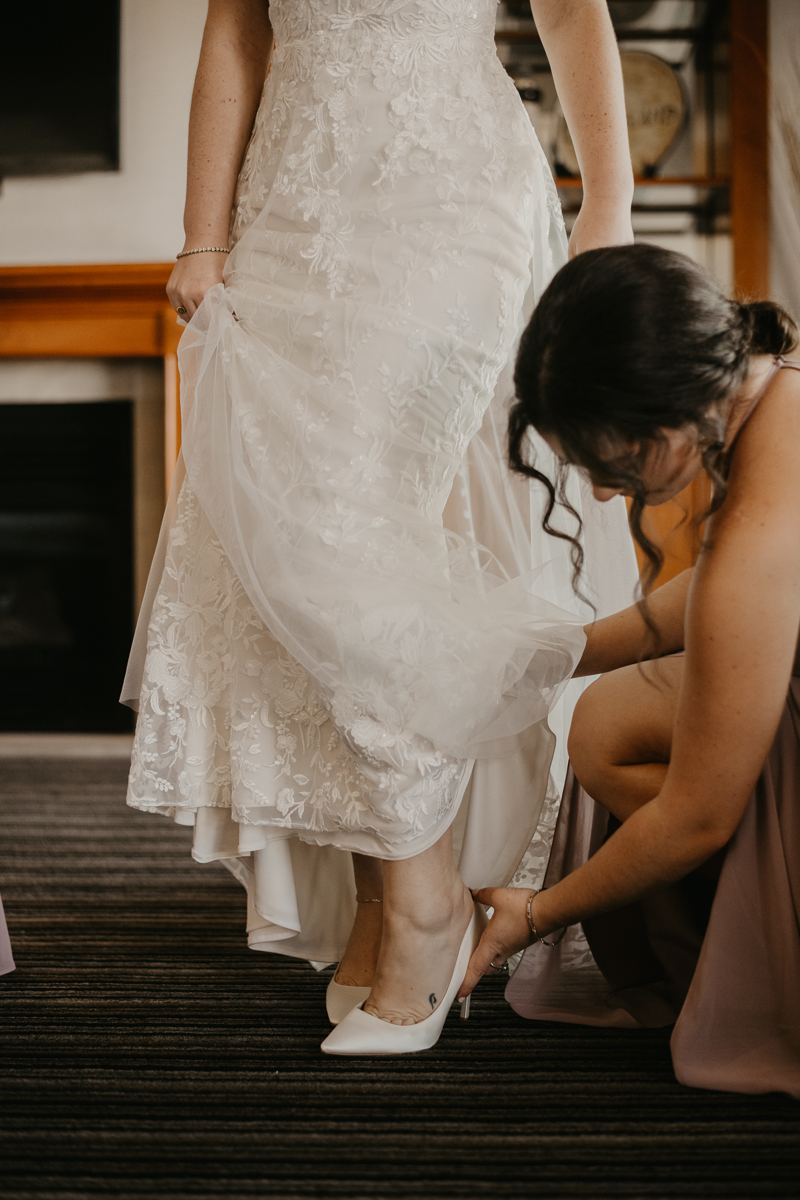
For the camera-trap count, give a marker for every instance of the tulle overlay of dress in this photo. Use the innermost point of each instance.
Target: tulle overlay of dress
(355, 629)
(721, 962)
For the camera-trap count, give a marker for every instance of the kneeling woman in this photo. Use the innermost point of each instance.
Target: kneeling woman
(637, 369)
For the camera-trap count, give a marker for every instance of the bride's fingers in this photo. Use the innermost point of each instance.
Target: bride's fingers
(182, 305)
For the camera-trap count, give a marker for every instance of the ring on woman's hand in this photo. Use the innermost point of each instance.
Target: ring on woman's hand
(502, 966)
(181, 311)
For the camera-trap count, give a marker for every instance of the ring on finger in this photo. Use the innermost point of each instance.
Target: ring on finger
(181, 311)
(503, 966)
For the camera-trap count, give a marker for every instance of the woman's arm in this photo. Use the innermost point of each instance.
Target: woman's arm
(741, 635)
(234, 59)
(579, 40)
(624, 638)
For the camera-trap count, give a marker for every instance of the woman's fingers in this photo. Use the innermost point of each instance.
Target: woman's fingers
(506, 933)
(184, 302)
(489, 949)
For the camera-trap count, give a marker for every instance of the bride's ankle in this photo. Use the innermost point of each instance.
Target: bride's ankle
(429, 914)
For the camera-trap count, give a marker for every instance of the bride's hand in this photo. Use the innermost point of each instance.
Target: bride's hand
(190, 280)
(506, 933)
(601, 223)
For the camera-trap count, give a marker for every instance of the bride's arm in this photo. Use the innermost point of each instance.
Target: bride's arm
(234, 57)
(741, 634)
(579, 40)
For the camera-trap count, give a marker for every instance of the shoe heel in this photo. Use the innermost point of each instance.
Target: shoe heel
(465, 1007)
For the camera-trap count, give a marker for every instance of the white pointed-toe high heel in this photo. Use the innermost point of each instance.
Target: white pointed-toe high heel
(361, 1033)
(340, 999)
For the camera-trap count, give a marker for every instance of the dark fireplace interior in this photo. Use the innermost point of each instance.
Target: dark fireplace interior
(66, 555)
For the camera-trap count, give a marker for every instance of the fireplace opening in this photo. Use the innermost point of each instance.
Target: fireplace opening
(66, 565)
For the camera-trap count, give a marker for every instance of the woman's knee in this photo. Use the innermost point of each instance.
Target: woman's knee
(590, 741)
(624, 718)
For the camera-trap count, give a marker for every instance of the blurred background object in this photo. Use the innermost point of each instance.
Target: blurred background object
(657, 108)
(59, 89)
(676, 67)
(784, 63)
(65, 564)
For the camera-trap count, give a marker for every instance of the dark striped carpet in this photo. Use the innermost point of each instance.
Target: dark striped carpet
(147, 1053)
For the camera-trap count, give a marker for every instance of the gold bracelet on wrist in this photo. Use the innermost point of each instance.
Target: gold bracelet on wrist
(533, 928)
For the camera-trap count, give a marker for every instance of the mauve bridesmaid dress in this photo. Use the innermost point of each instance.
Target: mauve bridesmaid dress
(720, 961)
(6, 958)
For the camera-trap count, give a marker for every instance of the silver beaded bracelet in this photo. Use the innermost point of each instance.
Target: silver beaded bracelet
(205, 250)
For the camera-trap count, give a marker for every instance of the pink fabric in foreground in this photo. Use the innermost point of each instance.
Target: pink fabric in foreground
(733, 984)
(6, 958)
(739, 1029)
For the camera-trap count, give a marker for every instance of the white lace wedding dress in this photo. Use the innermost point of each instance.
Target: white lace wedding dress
(355, 628)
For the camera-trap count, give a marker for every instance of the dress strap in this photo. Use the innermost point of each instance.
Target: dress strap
(779, 364)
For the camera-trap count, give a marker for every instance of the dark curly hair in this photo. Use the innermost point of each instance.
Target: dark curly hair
(624, 343)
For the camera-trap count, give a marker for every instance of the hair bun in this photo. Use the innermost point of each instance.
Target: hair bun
(768, 328)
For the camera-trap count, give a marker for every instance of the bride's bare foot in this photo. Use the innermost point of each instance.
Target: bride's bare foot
(421, 940)
(357, 968)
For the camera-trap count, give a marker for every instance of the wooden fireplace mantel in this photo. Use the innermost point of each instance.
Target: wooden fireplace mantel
(103, 311)
(96, 311)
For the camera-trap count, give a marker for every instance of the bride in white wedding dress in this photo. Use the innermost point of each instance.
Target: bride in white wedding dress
(355, 629)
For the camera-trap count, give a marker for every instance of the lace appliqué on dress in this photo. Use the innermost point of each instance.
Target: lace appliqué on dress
(229, 719)
(314, 619)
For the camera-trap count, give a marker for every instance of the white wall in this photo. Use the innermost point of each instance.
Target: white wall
(134, 215)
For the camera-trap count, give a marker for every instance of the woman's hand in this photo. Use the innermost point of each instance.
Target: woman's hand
(234, 61)
(601, 223)
(507, 932)
(190, 280)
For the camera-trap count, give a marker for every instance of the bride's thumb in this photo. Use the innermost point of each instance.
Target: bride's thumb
(485, 895)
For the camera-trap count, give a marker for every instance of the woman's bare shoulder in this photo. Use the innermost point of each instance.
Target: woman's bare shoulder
(765, 469)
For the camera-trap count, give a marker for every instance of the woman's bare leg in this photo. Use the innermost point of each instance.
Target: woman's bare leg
(357, 968)
(621, 735)
(426, 910)
(621, 738)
